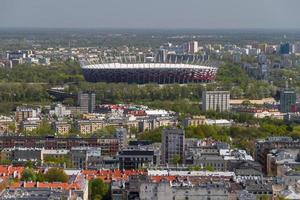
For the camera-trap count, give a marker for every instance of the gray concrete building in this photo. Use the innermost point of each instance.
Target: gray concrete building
(173, 141)
(184, 190)
(215, 100)
(87, 102)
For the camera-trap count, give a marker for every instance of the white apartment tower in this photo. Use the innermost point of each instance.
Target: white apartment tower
(215, 100)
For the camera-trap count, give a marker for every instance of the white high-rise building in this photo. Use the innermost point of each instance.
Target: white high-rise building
(296, 48)
(193, 47)
(216, 101)
(60, 111)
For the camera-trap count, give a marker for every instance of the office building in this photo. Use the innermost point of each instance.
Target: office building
(136, 158)
(215, 100)
(284, 48)
(87, 102)
(287, 100)
(172, 146)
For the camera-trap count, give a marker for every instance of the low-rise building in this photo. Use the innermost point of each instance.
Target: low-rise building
(60, 111)
(218, 122)
(35, 193)
(136, 158)
(7, 125)
(85, 158)
(30, 124)
(61, 127)
(194, 121)
(109, 146)
(23, 113)
(263, 148)
(181, 189)
(278, 160)
(90, 126)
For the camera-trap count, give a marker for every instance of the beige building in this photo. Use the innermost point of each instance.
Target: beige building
(22, 114)
(150, 124)
(30, 124)
(62, 128)
(194, 121)
(90, 126)
(7, 125)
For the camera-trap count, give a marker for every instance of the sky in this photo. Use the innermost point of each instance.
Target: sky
(166, 14)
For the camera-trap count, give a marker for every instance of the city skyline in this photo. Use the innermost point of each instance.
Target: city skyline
(200, 14)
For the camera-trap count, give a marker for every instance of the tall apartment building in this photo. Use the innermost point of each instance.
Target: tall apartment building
(193, 47)
(60, 111)
(215, 100)
(87, 102)
(172, 145)
(22, 113)
(287, 99)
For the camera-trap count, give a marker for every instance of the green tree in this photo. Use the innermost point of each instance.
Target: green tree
(44, 129)
(40, 177)
(5, 162)
(56, 175)
(28, 175)
(29, 164)
(12, 127)
(176, 160)
(98, 190)
(209, 168)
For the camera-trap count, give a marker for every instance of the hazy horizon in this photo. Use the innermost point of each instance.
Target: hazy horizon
(155, 14)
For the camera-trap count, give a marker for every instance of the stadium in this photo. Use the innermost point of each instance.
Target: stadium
(142, 73)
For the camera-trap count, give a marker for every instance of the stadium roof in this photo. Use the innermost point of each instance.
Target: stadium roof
(145, 66)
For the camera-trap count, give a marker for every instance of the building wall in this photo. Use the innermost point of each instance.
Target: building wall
(163, 190)
(215, 100)
(172, 145)
(287, 99)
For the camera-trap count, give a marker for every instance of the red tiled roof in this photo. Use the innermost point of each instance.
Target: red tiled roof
(109, 175)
